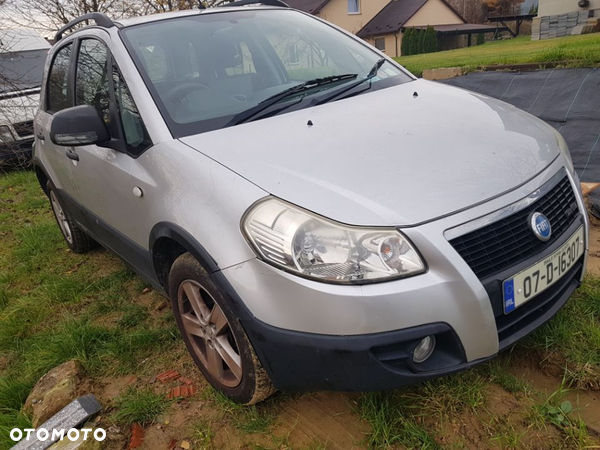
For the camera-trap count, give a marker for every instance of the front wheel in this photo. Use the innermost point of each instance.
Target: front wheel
(214, 336)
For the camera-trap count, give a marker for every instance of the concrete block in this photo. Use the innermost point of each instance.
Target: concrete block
(442, 74)
(69, 417)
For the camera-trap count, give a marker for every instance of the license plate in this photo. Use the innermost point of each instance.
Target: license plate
(537, 278)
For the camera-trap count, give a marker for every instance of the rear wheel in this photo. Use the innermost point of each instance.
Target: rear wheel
(214, 336)
(77, 239)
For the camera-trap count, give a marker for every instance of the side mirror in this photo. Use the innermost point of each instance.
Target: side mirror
(79, 125)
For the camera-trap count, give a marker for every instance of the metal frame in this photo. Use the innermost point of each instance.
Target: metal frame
(255, 2)
(102, 20)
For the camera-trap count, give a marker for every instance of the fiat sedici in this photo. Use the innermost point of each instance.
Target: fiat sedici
(319, 218)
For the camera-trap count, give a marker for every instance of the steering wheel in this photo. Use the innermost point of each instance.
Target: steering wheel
(176, 93)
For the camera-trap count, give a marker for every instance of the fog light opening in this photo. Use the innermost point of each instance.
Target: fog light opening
(424, 349)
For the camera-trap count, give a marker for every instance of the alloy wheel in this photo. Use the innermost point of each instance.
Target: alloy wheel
(61, 218)
(210, 334)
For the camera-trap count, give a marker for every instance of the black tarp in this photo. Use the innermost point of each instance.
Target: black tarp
(568, 99)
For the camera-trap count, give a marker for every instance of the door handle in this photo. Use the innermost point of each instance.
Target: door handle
(72, 154)
(40, 136)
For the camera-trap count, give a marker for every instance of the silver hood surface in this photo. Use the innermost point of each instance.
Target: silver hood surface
(388, 157)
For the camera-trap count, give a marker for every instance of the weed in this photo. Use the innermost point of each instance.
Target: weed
(496, 373)
(13, 393)
(392, 423)
(134, 315)
(203, 434)
(572, 338)
(139, 406)
(249, 419)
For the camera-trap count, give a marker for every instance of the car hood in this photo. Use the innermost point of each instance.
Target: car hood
(397, 156)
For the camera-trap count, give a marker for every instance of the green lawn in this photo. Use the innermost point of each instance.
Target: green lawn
(575, 51)
(57, 306)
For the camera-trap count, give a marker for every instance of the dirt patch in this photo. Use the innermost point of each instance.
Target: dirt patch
(593, 262)
(586, 403)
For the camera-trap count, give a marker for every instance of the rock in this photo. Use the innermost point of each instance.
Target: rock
(185, 445)
(53, 391)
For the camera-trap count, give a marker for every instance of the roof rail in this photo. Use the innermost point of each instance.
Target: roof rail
(256, 2)
(101, 20)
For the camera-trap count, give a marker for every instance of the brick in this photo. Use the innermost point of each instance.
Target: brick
(186, 380)
(169, 375)
(137, 436)
(172, 444)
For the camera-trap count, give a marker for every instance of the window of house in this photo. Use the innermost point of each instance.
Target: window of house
(58, 80)
(380, 44)
(353, 6)
(91, 77)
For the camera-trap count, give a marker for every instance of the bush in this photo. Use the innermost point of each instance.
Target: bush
(414, 44)
(406, 37)
(430, 42)
(480, 39)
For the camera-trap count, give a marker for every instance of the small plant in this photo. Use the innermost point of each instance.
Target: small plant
(139, 406)
(202, 434)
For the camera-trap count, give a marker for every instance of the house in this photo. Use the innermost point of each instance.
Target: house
(383, 22)
(557, 18)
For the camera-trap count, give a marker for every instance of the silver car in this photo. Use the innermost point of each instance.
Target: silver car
(320, 218)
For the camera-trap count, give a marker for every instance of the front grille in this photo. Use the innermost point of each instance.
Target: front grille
(505, 243)
(24, 129)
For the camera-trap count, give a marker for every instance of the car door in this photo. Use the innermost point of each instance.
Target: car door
(57, 95)
(103, 172)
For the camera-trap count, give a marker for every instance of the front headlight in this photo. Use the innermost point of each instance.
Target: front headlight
(302, 242)
(6, 135)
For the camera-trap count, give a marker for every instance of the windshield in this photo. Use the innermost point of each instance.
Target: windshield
(203, 70)
(21, 70)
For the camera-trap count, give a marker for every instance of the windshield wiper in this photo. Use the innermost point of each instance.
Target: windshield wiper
(246, 115)
(372, 74)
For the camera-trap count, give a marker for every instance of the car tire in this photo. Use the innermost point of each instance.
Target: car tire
(77, 239)
(214, 336)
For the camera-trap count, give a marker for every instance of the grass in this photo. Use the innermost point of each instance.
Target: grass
(139, 406)
(558, 412)
(571, 340)
(574, 51)
(392, 423)
(56, 306)
(202, 434)
(248, 419)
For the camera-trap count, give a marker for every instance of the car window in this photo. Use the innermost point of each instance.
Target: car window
(91, 78)
(204, 69)
(134, 130)
(301, 55)
(155, 62)
(58, 80)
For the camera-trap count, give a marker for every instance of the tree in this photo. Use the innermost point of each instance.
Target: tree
(503, 7)
(406, 37)
(430, 41)
(47, 16)
(414, 45)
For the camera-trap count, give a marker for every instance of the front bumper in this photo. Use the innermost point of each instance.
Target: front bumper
(311, 335)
